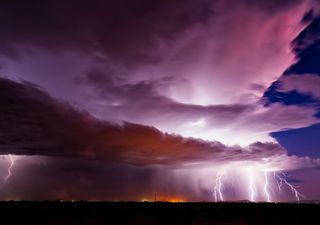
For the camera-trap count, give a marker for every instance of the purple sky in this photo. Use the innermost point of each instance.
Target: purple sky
(117, 100)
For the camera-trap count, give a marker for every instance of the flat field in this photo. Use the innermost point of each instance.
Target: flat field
(153, 213)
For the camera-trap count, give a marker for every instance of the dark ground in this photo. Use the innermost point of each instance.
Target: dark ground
(153, 213)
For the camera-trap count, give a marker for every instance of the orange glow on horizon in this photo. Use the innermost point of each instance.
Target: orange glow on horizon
(174, 200)
(163, 199)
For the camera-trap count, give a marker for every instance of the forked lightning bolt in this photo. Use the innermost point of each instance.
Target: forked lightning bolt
(260, 183)
(218, 194)
(12, 160)
(251, 186)
(266, 187)
(296, 193)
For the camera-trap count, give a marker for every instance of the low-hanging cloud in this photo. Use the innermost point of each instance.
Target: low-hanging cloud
(33, 123)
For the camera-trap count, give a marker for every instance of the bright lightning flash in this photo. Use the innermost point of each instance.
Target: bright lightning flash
(218, 194)
(294, 190)
(12, 160)
(259, 182)
(251, 186)
(266, 186)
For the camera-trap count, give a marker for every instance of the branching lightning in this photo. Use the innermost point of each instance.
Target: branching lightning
(266, 186)
(218, 193)
(251, 186)
(294, 190)
(260, 182)
(12, 160)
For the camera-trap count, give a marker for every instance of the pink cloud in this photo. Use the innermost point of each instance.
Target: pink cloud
(306, 84)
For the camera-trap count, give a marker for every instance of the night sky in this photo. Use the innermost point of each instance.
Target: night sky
(188, 100)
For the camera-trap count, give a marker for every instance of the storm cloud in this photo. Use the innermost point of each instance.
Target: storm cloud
(142, 92)
(33, 123)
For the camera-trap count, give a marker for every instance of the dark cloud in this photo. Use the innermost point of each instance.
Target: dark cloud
(130, 31)
(273, 6)
(124, 29)
(34, 123)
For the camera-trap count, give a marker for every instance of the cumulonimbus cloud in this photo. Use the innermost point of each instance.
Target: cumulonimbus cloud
(196, 68)
(143, 102)
(34, 123)
(187, 68)
(198, 42)
(198, 34)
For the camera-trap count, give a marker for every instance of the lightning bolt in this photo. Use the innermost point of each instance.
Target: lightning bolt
(218, 194)
(279, 182)
(294, 190)
(260, 182)
(266, 186)
(252, 186)
(12, 160)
